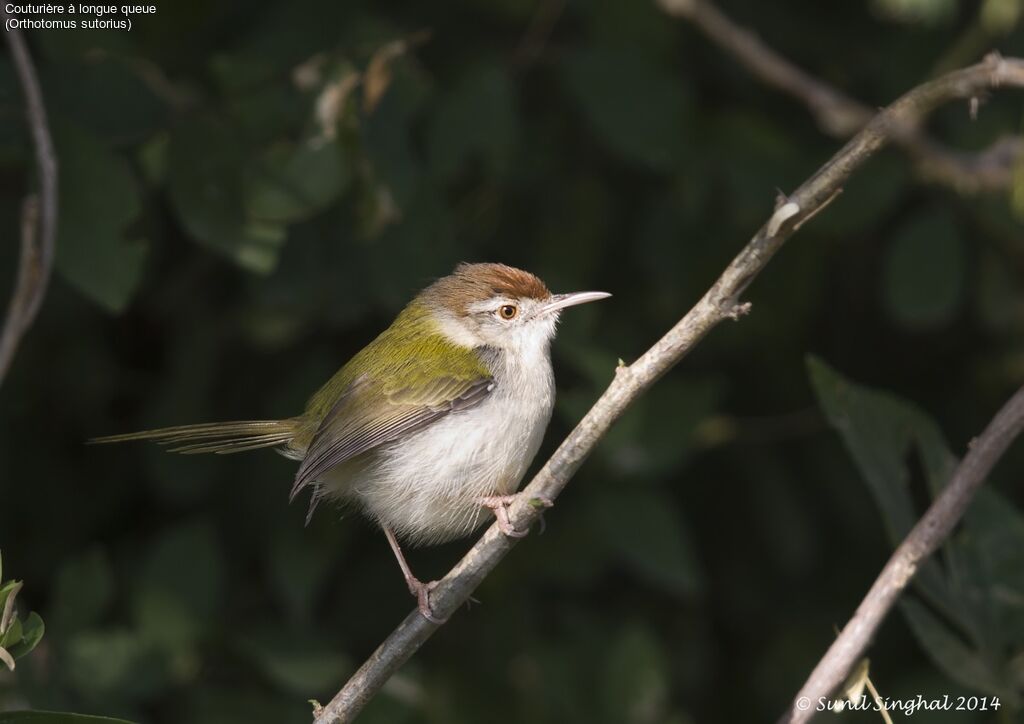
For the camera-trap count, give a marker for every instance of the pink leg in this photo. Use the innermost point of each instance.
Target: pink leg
(499, 506)
(417, 587)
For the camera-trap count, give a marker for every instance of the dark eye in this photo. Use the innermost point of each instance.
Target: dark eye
(508, 311)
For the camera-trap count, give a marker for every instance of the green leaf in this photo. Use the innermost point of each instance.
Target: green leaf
(950, 652)
(637, 109)
(991, 572)
(17, 639)
(878, 430)
(974, 633)
(12, 636)
(924, 271)
(53, 717)
(99, 199)
(30, 633)
(204, 175)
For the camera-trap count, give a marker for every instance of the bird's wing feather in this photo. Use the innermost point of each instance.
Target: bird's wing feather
(369, 414)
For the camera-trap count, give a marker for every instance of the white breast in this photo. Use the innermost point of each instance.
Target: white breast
(424, 486)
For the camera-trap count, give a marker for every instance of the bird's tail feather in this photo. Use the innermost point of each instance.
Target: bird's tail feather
(215, 437)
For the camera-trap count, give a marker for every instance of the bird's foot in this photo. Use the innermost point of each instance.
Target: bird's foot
(499, 506)
(421, 591)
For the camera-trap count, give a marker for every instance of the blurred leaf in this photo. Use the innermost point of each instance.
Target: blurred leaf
(477, 119)
(377, 77)
(205, 164)
(291, 183)
(641, 526)
(999, 302)
(878, 429)
(303, 665)
(115, 663)
(387, 138)
(244, 704)
(102, 198)
(636, 685)
(179, 591)
(912, 12)
(948, 650)
(991, 545)
(82, 592)
(1017, 190)
(642, 443)
(924, 271)
(637, 108)
(53, 717)
(130, 110)
(300, 568)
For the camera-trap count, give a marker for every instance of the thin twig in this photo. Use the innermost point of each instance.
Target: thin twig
(925, 537)
(39, 214)
(840, 116)
(721, 302)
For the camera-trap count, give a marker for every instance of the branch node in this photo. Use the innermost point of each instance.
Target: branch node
(734, 311)
(318, 708)
(821, 207)
(782, 214)
(540, 502)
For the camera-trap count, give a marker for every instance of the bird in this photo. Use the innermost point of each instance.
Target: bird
(430, 428)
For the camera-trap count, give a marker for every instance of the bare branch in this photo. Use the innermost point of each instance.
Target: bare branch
(841, 116)
(39, 214)
(925, 537)
(721, 302)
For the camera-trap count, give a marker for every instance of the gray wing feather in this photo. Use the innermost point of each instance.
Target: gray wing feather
(339, 439)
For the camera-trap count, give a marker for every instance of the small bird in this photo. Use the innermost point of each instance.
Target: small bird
(432, 423)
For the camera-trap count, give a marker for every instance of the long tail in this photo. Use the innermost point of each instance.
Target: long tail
(215, 437)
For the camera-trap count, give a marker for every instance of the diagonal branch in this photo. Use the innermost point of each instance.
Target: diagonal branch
(39, 213)
(721, 302)
(925, 537)
(990, 170)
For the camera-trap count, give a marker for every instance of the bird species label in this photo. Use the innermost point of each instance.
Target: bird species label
(72, 16)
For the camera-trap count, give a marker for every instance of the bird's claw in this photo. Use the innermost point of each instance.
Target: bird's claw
(499, 506)
(421, 591)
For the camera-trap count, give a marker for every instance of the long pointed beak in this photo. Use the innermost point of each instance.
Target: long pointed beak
(561, 301)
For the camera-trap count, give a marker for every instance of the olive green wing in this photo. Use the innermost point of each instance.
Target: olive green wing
(370, 413)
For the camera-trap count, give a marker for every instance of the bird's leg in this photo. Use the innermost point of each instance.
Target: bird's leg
(417, 587)
(499, 506)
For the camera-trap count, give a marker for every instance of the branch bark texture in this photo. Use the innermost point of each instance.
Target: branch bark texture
(39, 212)
(840, 116)
(719, 303)
(923, 540)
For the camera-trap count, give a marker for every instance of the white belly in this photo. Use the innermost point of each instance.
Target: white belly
(424, 487)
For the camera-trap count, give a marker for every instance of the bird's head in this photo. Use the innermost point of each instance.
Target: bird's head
(499, 306)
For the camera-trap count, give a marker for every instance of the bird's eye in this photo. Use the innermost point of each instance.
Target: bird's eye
(508, 311)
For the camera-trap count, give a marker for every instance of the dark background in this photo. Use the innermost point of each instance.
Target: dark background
(223, 249)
